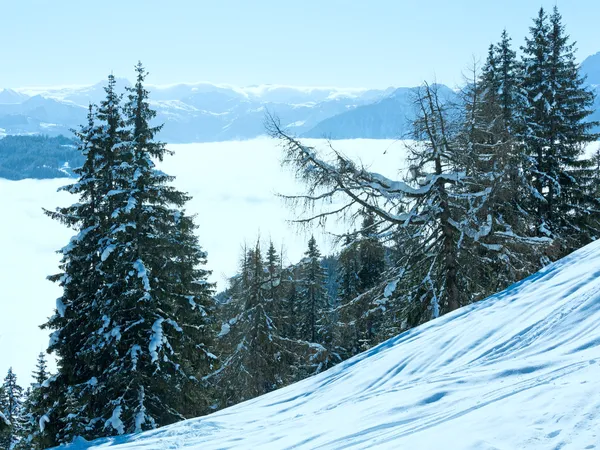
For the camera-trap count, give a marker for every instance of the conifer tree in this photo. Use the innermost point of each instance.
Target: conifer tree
(143, 315)
(255, 356)
(494, 164)
(554, 133)
(362, 263)
(259, 346)
(289, 290)
(34, 408)
(274, 287)
(438, 207)
(11, 406)
(371, 254)
(349, 267)
(74, 323)
(312, 296)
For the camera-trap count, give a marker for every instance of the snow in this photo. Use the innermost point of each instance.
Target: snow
(225, 329)
(107, 251)
(135, 351)
(139, 266)
(60, 307)
(390, 288)
(518, 370)
(43, 421)
(4, 419)
(115, 421)
(157, 339)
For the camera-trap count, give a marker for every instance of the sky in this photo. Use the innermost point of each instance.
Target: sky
(344, 43)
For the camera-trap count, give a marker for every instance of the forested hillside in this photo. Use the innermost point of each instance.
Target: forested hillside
(38, 157)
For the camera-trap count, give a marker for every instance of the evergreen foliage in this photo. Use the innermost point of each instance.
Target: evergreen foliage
(34, 410)
(132, 330)
(262, 343)
(11, 409)
(554, 132)
(38, 157)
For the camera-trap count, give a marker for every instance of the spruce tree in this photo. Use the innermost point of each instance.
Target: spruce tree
(255, 358)
(371, 254)
(74, 324)
(361, 265)
(554, 133)
(494, 164)
(349, 267)
(312, 296)
(11, 406)
(289, 290)
(143, 315)
(34, 409)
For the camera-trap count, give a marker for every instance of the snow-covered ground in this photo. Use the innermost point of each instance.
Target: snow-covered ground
(233, 185)
(520, 370)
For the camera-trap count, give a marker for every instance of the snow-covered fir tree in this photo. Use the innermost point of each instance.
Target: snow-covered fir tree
(11, 406)
(554, 132)
(132, 333)
(259, 343)
(255, 358)
(494, 164)
(34, 409)
(313, 304)
(361, 265)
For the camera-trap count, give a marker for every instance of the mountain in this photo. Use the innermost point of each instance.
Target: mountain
(195, 112)
(40, 115)
(205, 112)
(591, 68)
(388, 118)
(8, 96)
(518, 370)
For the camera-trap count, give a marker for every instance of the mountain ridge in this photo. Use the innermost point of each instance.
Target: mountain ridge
(208, 112)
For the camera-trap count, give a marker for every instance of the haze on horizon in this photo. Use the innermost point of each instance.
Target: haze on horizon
(362, 45)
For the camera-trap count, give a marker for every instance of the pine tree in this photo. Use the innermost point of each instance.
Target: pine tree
(494, 165)
(141, 308)
(312, 296)
(74, 323)
(34, 409)
(255, 358)
(11, 406)
(554, 133)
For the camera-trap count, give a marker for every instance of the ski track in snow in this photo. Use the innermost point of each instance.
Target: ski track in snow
(518, 370)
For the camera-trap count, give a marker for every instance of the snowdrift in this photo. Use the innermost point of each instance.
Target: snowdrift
(520, 370)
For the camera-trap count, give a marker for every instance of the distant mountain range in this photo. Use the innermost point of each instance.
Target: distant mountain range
(204, 112)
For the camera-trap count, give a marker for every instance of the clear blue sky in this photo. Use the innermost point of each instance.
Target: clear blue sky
(347, 43)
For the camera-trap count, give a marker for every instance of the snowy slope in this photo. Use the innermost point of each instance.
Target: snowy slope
(520, 370)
